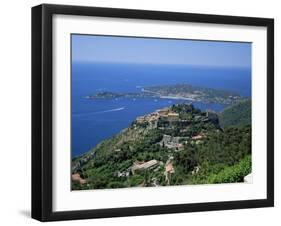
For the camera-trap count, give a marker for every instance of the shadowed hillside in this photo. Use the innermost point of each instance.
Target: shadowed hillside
(236, 115)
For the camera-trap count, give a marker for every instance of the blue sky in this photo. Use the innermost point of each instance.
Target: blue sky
(91, 48)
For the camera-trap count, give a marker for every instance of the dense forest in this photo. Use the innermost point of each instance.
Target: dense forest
(239, 114)
(178, 145)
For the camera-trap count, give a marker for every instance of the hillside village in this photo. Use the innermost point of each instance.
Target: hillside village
(165, 147)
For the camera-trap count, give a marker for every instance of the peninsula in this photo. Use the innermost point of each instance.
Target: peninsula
(177, 91)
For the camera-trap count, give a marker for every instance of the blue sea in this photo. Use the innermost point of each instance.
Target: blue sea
(94, 120)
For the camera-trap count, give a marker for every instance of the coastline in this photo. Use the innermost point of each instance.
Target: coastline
(177, 98)
(168, 97)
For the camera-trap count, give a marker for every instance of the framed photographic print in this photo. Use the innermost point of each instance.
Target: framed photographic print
(145, 112)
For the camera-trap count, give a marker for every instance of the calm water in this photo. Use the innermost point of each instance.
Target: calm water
(96, 120)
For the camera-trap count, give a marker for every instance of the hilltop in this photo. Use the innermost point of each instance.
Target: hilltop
(171, 146)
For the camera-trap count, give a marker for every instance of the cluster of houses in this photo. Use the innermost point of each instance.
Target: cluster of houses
(177, 143)
(165, 114)
(171, 142)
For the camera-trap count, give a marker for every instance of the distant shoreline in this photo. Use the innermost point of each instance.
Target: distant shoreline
(167, 97)
(177, 92)
(177, 98)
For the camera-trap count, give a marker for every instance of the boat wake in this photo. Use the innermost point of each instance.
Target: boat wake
(100, 112)
(111, 110)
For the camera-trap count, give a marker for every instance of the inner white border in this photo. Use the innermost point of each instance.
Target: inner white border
(64, 199)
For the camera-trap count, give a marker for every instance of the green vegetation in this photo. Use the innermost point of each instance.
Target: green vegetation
(233, 173)
(186, 88)
(109, 95)
(238, 114)
(178, 91)
(173, 146)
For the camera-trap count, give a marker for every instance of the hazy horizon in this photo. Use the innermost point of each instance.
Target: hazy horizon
(138, 50)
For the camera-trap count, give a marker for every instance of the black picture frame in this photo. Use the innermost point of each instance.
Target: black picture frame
(42, 107)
